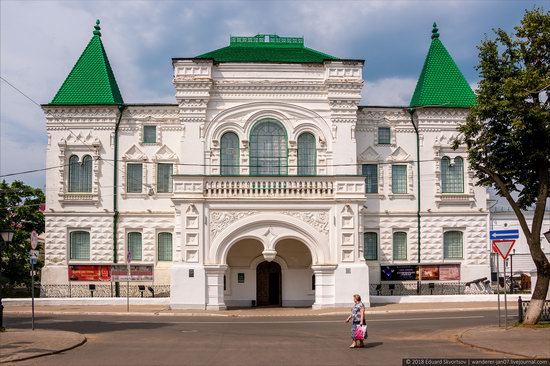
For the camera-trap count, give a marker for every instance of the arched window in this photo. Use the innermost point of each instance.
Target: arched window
(268, 149)
(452, 175)
(307, 154)
(79, 245)
(229, 154)
(452, 245)
(134, 245)
(164, 250)
(80, 174)
(400, 246)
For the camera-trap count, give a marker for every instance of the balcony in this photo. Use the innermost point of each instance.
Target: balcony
(268, 187)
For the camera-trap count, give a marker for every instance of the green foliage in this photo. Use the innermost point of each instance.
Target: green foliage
(19, 212)
(508, 131)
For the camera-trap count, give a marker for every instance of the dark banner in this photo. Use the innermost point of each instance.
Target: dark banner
(89, 273)
(399, 273)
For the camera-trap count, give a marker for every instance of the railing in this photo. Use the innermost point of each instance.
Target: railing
(426, 288)
(269, 187)
(524, 305)
(103, 290)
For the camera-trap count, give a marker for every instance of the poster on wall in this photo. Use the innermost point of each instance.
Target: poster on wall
(399, 273)
(429, 273)
(449, 272)
(89, 273)
(142, 272)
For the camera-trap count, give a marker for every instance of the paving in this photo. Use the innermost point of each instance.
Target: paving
(18, 345)
(515, 342)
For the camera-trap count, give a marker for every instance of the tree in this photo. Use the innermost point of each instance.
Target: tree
(508, 132)
(19, 212)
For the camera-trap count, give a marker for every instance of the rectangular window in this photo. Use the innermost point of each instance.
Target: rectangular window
(400, 246)
(370, 171)
(399, 178)
(164, 251)
(370, 251)
(164, 177)
(384, 135)
(79, 245)
(134, 245)
(452, 245)
(134, 177)
(149, 134)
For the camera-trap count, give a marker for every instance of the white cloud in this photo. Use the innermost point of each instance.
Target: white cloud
(388, 92)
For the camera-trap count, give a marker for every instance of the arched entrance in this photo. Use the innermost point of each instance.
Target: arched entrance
(268, 284)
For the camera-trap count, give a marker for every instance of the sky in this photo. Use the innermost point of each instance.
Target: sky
(40, 42)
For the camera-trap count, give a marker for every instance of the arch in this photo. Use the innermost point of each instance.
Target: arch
(259, 259)
(269, 229)
(268, 148)
(229, 154)
(74, 174)
(307, 154)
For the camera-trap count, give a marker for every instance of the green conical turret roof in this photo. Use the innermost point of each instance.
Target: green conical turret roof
(441, 84)
(91, 81)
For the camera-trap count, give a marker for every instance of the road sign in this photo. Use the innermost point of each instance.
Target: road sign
(129, 257)
(504, 234)
(34, 239)
(503, 247)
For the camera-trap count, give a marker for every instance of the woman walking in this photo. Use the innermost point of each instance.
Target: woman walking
(357, 318)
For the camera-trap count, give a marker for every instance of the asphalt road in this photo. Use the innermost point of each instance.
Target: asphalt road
(318, 340)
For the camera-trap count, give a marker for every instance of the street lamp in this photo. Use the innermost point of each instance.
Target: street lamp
(7, 237)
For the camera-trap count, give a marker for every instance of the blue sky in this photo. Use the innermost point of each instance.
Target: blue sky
(41, 40)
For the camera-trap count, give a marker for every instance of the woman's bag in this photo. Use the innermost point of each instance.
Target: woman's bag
(364, 330)
(359, 333)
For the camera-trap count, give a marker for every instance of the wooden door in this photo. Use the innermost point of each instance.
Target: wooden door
(268, 284)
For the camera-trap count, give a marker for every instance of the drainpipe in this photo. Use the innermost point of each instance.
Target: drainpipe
(411, 113)
(115, 193)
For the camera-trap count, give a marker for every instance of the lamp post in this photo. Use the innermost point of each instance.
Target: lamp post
(7, 237)
(512, 271)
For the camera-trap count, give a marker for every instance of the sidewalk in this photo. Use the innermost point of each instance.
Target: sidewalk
(164, 310)
(515, 341)
(18, 345)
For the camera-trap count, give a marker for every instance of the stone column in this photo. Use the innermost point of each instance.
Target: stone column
(214, 286)
(324, 285)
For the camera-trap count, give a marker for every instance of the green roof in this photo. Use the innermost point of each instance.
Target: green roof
(267, 48)
(91, 81)
(441, 84)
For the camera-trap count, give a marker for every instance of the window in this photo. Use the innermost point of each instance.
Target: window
(134, 245)
(79, 245)
(307, 154)
(229, 159)
(164, 251)
(452, 175)
(80, 174)
(370, 246)
(164, 177)
(399, 178)
(400, 246)
(384, 135)
(268, 149)
(134, 177)
(370, 171)
(452, 245)
(149, 134)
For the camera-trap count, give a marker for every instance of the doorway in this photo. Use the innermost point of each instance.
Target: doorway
(268, 284)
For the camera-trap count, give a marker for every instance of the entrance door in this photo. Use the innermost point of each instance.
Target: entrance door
(268, 284)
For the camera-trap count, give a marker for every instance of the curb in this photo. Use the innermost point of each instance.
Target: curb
(460, 340)
(160, 314)
(84, 340)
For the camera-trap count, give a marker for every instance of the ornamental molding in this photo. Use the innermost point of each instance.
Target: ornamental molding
(369, 155)
(219, 220)
(80, 112)
(74, 140)
(134, 154)
(165, 154)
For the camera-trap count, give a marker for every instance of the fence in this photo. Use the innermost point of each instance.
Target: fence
(522, 309)
(104, 290)
(430, 288)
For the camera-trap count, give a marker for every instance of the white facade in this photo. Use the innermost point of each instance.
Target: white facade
(225, 228)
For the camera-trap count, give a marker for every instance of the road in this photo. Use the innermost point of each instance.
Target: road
(315, 340)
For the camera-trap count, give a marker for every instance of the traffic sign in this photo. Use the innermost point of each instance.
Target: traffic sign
(34, 239)
(129, 257)
(503, 247)
(504, 234)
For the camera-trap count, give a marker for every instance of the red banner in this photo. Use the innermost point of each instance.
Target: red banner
(89, 273)
(429, 273)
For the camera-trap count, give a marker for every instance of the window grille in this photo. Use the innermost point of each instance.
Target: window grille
(452, 175)
(149, 134)
(134, 177)
(400, 246)
(268, 149)
(370, 246)
(79, 245)
(164, 177)
(370, 171)
(229, 154)
(384, 135)
(452, 245)
(164, 251)
(399, 178)
(134, 245)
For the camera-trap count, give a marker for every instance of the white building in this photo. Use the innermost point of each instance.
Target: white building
(266, 181)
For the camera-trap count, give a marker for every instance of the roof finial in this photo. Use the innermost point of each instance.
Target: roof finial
(435, 33)
(97, 28)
